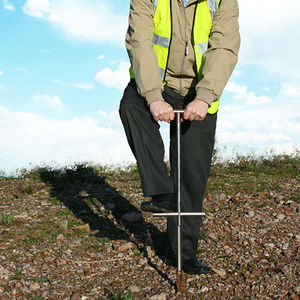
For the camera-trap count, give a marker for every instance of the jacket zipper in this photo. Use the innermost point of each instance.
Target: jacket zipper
(186, 52)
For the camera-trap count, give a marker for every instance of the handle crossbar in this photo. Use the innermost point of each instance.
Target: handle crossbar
(175, 214)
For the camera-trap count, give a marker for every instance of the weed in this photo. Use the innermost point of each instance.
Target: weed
(72, 223)
(296, 197)
(39, 279)
(27, 189)
(15, 257)
(55, 201)
(64, 213)
(123, 296)
(221, 256)
(6, 219)
(19, 276)
(203, 236)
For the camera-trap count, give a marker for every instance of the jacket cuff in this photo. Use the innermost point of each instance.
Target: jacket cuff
(154, 95)
(206, 95)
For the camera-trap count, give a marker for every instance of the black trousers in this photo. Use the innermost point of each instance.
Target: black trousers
(197, 142)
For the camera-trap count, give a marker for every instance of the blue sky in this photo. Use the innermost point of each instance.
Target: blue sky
(63, 67)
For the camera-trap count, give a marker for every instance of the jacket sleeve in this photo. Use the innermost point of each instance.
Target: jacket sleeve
(221, 57)
(140, 50)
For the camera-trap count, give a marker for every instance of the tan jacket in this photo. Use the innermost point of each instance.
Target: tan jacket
(219, 60)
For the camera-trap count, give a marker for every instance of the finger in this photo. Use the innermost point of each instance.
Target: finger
(192, 117)
(186, 115)
(172, 115)
(155, 116)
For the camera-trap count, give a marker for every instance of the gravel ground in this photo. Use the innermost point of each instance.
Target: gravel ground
(81, 235)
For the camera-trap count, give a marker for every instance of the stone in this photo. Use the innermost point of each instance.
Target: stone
(212, 236)
(125, 247)
(82, 228)
(149, 251)
(251, 213)
(161, 296)
(269, 245)
(220, 272)
(280, 217)
(75, 297)
(60, 238)
(133, 288)
(34, 286)
(83, 194)
(204, 289)
(297, 289)
(222, 196)
(132, 217)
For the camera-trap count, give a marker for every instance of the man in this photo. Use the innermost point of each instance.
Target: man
(182, 53)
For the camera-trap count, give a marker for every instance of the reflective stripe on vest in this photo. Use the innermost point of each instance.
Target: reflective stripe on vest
(204, 14)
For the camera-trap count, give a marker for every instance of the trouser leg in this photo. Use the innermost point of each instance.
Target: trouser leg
(197, 141)
(145, 141)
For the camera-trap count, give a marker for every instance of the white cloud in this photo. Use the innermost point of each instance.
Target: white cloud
(87, 20)
(100, 57)
(3, 88)
(102, 113)
(52, 102)
(241, 94)
(259, 123)
(7, 5)
(114, 78)
(1, 73)
(22, 70)
(30, 138)
(269, 39)
(83, 86)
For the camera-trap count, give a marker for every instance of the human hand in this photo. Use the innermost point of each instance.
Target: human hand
(162, 111)
(195, 110)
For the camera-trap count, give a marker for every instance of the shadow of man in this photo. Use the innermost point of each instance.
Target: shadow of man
(86, 192)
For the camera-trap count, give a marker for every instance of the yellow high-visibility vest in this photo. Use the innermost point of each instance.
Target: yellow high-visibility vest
(204, 15)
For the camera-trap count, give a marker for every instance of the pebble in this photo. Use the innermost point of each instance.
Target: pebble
(132, 217)
(82, 228)
(220, 272)
(280, 217)
(125, 247)
(204, 289)
(142, 261)
(285, 246)
(297, 289)
(34, 286)
(60, 237)
(83, 194)
(222, 196)
(162, 296)
(149, 251)
(75, 297)
(251, 213)
(269, 245)
(212, 236)
(134, 288)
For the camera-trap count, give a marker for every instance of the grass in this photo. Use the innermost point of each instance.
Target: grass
(123, 296)
(6, 219)
(296, 197)
(253, 175)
